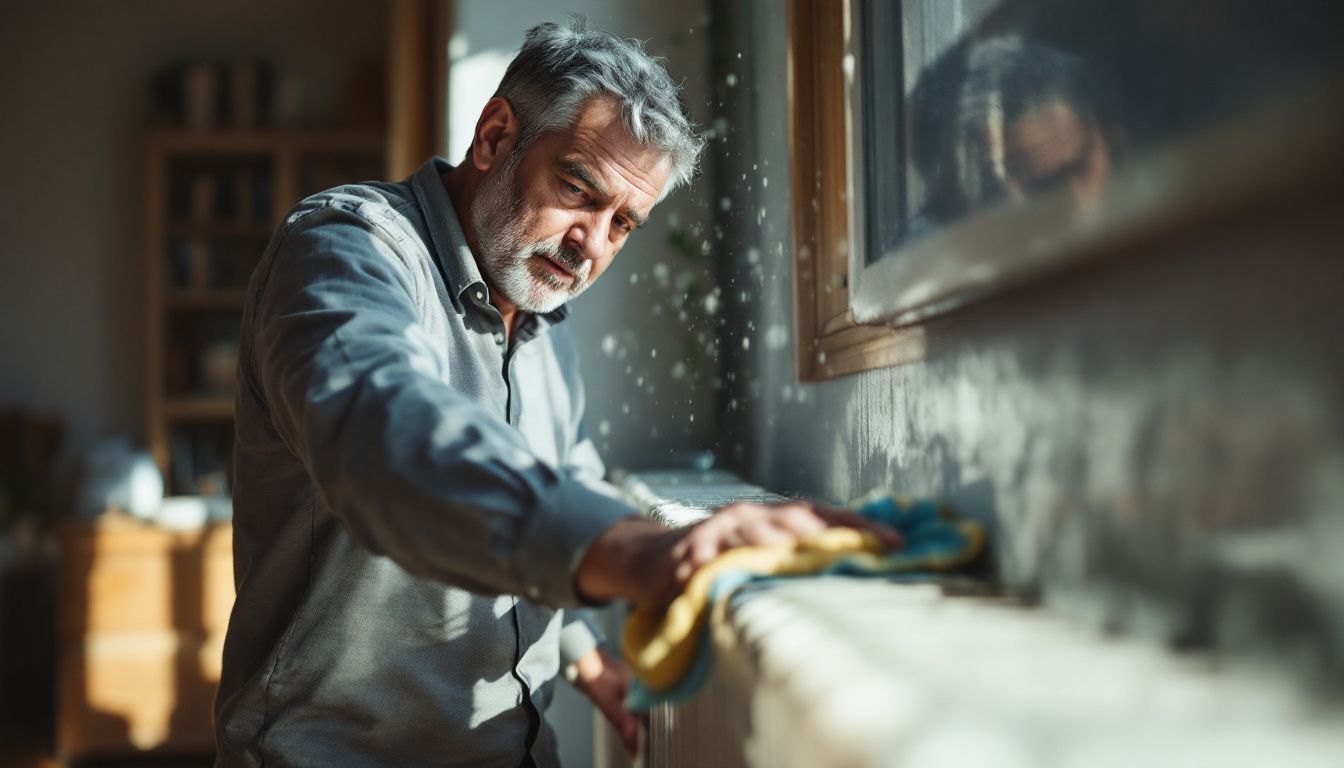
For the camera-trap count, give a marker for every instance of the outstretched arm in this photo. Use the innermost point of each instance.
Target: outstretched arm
(412, 468)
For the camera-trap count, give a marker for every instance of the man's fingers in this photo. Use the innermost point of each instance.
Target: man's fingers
(765, 532)
(681, 548)
(625, 724)
(799, 520)
(607, 692)
(823, 509)
(848, 519)
(751, 524)
(630, 734)
(704, 549)
(685, 569)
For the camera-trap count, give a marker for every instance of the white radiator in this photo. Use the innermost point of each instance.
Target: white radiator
(850, 672)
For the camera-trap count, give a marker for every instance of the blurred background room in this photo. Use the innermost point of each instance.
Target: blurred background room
(150, 149)
(1072, 268)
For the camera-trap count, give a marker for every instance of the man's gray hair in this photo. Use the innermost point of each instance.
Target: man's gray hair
(559, 69)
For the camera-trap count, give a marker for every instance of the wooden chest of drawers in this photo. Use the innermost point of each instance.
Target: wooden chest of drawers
(142, 617)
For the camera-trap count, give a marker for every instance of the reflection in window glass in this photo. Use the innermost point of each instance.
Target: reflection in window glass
(970, 104)
(899, 41)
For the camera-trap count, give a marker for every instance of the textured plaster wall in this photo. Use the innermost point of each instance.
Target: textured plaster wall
(648, 364)
(647, 370)
(1158, 439)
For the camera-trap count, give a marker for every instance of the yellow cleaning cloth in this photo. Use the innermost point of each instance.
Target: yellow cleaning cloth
(667, 648)
(660, 645)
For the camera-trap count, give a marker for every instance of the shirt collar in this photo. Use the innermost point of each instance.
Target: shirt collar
(449, 242)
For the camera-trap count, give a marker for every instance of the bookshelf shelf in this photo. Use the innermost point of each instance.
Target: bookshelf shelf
(209, 229)
(204, 300)
(214, 199)
(198, 408)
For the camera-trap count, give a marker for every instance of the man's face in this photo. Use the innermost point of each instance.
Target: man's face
(549, 222)
(1052, 147)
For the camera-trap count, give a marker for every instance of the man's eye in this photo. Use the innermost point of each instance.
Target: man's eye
(624, 226)
(573, 189)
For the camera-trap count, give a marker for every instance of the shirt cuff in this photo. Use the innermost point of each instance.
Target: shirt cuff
(565, 524)
(578, 637)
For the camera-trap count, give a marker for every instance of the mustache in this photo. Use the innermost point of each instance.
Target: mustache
(566, 257)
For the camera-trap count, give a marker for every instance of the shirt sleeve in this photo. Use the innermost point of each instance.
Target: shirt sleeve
(413, 469)
(585, 465)
(579, 634)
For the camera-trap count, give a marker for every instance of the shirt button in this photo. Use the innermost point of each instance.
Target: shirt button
(480, 295)
(499, 338)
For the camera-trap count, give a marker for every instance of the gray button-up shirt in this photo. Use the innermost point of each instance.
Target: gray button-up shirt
(400, 473)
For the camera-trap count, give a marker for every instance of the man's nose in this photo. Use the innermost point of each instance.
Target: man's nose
(588, 236)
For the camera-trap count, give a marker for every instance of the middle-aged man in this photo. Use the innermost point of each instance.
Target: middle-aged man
(414, 495)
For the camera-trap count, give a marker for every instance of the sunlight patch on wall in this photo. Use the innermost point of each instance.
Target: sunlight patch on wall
(472, 78)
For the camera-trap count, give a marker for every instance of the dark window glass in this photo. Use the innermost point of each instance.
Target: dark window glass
(965, 105)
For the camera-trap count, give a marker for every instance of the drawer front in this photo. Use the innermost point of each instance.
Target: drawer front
(185, 588)
(127, 693)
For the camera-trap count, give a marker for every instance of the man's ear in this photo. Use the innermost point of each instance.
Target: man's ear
(496, 133)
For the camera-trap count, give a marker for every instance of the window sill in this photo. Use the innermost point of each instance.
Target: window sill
(833, 671)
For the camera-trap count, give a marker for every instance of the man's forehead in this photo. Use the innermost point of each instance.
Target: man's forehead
(600, 142)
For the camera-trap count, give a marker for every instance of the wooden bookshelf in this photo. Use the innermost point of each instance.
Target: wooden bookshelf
(213, 200)
(204, 300)
(195, 408)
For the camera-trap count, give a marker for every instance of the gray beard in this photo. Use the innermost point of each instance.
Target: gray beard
(511, 265)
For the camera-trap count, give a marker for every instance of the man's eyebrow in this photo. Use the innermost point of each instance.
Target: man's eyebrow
(634, 217)
(580, 171)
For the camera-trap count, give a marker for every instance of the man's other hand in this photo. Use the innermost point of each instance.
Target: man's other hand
(605, 680)
(642, 561)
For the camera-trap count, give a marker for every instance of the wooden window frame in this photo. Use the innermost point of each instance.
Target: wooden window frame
(830, 342)
(852, 316)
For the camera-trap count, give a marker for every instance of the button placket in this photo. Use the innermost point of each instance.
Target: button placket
(509, 406)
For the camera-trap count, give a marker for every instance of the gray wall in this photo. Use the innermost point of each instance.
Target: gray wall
(75, 96)
(648, 394)
(1158, 439)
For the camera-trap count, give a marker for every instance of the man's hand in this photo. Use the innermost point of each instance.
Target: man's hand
(605, 680)
(745, 524)
(642, 561)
